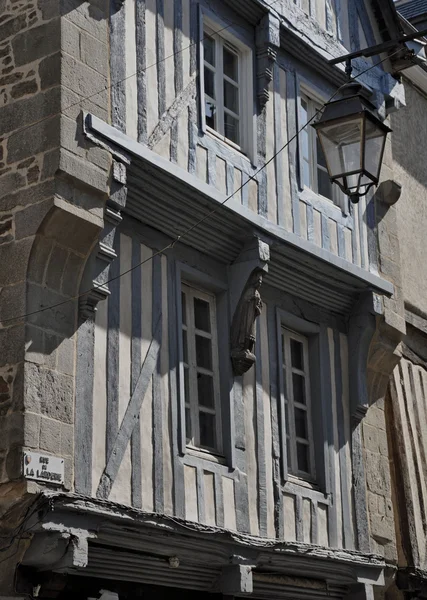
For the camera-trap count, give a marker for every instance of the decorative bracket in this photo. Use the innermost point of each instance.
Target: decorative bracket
(267, 45)
(245, 277)
(95, 278)
(361, 331)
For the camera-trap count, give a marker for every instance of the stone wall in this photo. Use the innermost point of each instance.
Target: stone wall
(53, 186)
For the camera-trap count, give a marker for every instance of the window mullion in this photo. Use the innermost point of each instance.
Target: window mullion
(291, 409)
(220, 85)
(215, 369)
(192, 359)
(308, 410)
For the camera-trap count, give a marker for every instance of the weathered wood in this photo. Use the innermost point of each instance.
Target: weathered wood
(178, 74)
(260, 438)
(118, 66)
(131, 418)
(329, 451)
(113, 364)
(84, 407)
(141, 64)
(157, 389)
(291, 110)
(160, 46)
(275, 422)
(135, 370)
(342, 442)
(174, 333)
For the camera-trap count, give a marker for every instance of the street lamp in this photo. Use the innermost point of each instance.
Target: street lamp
(353, 141)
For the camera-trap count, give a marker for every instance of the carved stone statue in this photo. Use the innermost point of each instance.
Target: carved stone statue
(243, 327)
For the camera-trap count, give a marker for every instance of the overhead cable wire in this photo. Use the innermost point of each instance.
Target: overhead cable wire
(179, 237)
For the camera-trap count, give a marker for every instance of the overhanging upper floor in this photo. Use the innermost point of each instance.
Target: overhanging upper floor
(169, 199)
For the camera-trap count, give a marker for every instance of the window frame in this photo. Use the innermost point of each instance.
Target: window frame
(219, 289)
(193, 404)
(315, 336)
(289, 400)
(314, 100)
(222, 31)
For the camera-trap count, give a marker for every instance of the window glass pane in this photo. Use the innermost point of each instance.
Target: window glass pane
(207, 430)
(186, 384)
(298, 383)
(209, 49)
(202, 317)
(210, 113)
(203, 352)
(321, 160)
(205, 390)
(188, 433)
(231, 97)
(185, 346)
(209, 83)
(324, 184)
(287, 418)
(231, 64)
(297, 354)
(184, 308)
(302, 457)
(301, 423)
(305, 144)
(231, 128)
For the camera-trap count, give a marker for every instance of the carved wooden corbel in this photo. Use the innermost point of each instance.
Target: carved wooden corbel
(267, 45)
(96, 274)
(246, 276)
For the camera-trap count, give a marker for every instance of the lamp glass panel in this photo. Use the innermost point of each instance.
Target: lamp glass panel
(374, 145)
(342, 144)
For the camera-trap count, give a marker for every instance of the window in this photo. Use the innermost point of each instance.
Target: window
(314, 173)
(299, 435)
(200, 369)
(227, 92)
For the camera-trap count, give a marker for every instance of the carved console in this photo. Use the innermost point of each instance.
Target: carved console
(245, 276)
(267, 45)
(95, 279)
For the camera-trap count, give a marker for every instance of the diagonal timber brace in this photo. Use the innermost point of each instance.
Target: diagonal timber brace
(131, 417)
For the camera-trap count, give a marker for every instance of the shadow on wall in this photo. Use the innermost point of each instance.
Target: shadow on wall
(409, 135)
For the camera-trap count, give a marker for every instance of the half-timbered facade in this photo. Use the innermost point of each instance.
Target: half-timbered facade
(236, 316)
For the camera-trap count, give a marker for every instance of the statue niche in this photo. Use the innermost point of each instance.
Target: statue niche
(243, 327)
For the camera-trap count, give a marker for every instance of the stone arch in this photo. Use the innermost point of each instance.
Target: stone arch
(41, 411)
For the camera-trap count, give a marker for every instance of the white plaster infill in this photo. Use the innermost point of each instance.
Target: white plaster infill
(98, 131)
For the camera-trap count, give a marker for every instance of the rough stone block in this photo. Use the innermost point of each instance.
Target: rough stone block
(49, 393)
(31, 430)
(65, 356)
(50, 71)
(36, 42)
(29, 219)
(99, 157)
(83, 171)
(377, 474)
(12, 27)
(87, 16)
(94, 53)
(12, 301)
(382, 529)
(50, 435)
(56, 268)
(40, 137)
(70, 38)
(14, 260)
(84, 81)
(53, 311)
(10, 182)
(50, 164)
(39, 259)
(67, 440)
(25, 88)
(49, 9)
(40, 347)
(70, 283)
(26, 196)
